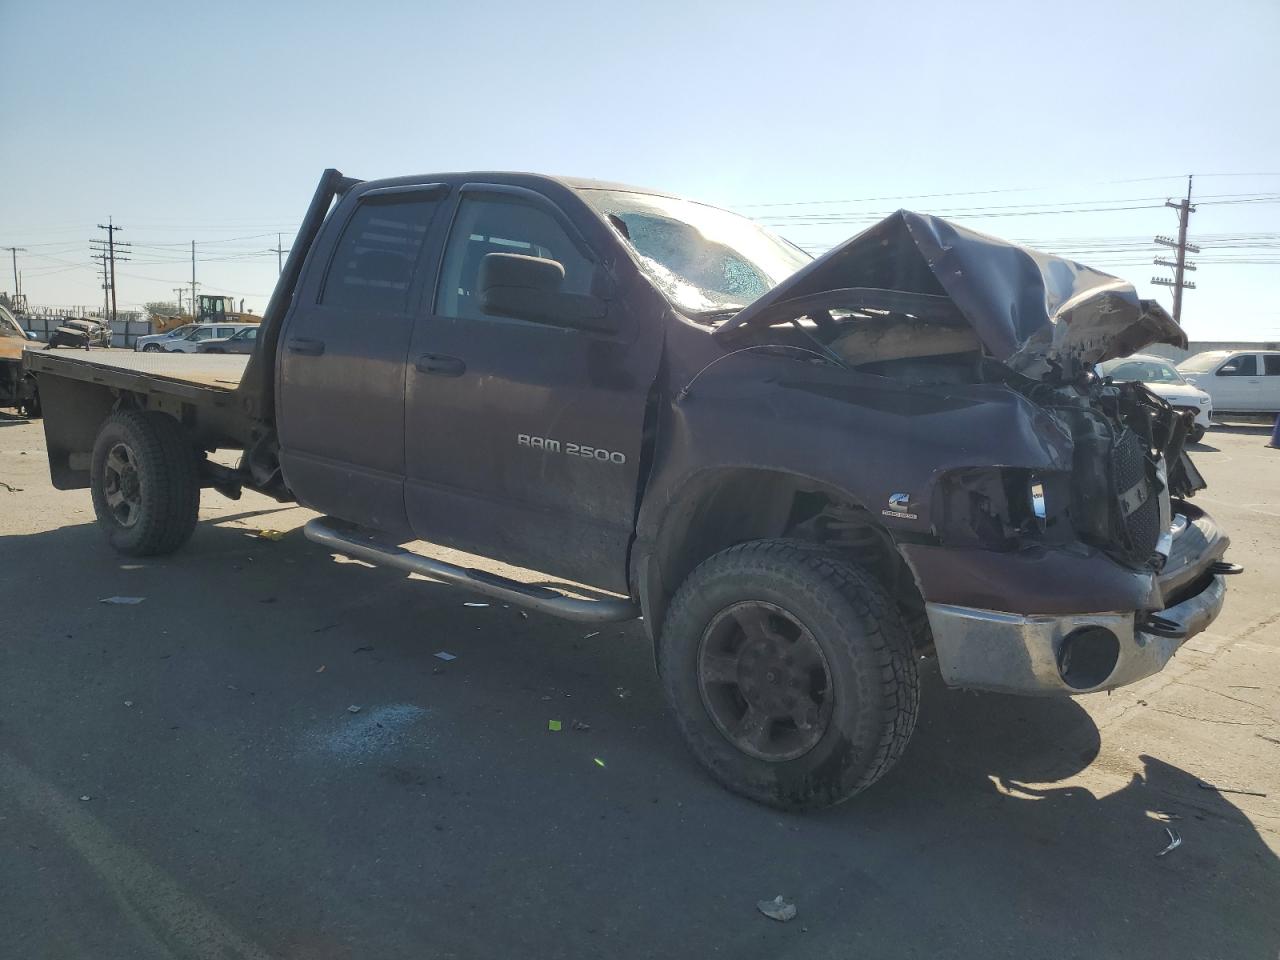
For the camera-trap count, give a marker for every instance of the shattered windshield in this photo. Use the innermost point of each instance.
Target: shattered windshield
(704, 259)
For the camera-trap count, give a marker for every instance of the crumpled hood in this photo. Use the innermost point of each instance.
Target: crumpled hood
(1031, 310)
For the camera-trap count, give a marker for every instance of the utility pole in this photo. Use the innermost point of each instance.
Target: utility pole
(194, 315)
(17, 284)
(112, 230)
(279, 251)
(178, 291)
(106, 286)
(1180, 265)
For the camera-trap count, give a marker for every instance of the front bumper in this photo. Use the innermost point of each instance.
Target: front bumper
(1012, 653)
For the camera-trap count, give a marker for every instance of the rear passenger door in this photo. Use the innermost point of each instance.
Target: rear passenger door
(524, 440)
(341, 358)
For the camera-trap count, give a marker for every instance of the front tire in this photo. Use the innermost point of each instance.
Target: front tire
(151, 348)
(1197, 433)
(145, 481)
(790, 672)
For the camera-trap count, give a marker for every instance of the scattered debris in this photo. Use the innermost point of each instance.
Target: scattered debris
(579, 725)
(9, 488)
(547, 697)
(122, 601)
(320, 669)
(364, 649)
(553, 726)
(437, 670)
(128, 703)
(523, 615)
(445, 656)
(353, 709)
(272, 535)
(777, 908)
(623, 693)
(472, 603)
(595, 633)
(86, 797)
(598, 762)
(1209, 786)
(1175, 841)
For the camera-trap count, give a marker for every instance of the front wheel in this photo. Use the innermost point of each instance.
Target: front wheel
(790, 672)
(1196, 434)
(151, 348)
(145, 481)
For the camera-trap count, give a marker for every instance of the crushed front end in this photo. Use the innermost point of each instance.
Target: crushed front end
(1126, 569)
(1068, 565)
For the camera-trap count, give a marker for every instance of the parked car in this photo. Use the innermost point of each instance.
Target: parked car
(154, 342)
(1239, 381)
(1159, 376)
(82, 334)
(805, 474)
(241, 342)
(201, 333)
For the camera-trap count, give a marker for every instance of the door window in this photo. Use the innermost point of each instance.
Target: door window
(373, 265)
(1245, 365)
(226, 331)
(204, 333)
(491, 225)
(1271, 364)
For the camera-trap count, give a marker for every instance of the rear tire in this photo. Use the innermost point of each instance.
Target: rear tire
(811, 642)
(145, 481)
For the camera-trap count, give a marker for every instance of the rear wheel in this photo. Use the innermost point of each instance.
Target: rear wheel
(790, 673)
(145, 481)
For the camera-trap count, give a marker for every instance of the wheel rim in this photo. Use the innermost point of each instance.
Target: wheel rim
(765, 681)
(121, 486)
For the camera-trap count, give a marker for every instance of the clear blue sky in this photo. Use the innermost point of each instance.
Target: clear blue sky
(212, 122)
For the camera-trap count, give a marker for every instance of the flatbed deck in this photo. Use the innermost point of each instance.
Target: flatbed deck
(190, 375)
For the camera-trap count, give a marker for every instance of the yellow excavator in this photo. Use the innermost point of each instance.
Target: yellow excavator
(209, 309)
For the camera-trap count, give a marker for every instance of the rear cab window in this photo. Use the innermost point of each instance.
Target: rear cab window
(1271, 364)
(377, 254)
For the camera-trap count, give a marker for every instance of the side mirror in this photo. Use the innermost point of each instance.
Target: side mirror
(529, 288)
(1228, 370)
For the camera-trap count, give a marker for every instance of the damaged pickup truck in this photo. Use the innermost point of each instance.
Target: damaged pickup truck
(807, 475)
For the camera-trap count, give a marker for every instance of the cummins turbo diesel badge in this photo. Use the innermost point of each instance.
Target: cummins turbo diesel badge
(900, 507)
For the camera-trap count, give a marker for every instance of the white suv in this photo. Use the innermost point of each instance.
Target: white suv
(154, 342)
(1240, 381)
(201, 333)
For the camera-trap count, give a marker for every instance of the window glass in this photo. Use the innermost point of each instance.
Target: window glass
(1144, 371)
(1242, 366)
(373, 265)
(204, 333)
(491, 225)
(1271, 364)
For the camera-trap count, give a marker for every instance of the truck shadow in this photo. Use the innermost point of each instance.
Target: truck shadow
(978, 844)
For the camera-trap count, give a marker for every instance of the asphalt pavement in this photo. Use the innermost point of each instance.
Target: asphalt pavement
(267, 758)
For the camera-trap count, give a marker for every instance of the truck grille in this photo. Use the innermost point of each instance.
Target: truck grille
(1130, 466)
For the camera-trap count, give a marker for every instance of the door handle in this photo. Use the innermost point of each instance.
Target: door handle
(440, 365)
(308, 348)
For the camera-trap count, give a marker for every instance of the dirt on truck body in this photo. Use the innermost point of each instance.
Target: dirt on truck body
(804, 473)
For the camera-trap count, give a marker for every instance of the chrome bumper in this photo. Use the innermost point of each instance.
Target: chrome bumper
(1016, 653)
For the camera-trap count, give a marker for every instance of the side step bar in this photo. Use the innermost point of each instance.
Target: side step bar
(341, 538)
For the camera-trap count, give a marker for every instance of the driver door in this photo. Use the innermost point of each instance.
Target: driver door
(523, 440)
